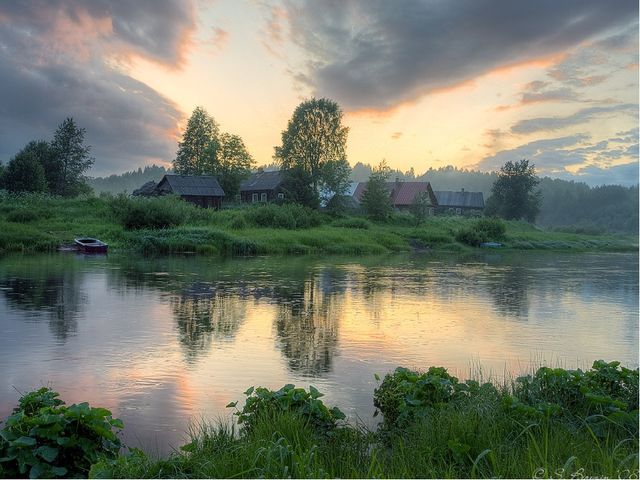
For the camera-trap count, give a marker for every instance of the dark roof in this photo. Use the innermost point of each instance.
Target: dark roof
(460, 199)
(192, 185)
(262, 181)
(146, 190)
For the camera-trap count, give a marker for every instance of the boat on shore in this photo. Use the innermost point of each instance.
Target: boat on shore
(90, 245)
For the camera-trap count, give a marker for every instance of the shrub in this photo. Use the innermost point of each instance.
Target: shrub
(159, 212)
(605, 395)
(482, 230)
(406, 395)
(23, 215)
(262, 401)
(45, 438)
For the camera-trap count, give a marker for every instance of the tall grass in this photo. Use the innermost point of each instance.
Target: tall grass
(476, 434)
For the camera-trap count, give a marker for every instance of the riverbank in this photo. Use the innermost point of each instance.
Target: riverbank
(555, 423)
(34, 223)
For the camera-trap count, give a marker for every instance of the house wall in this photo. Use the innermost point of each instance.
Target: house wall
(272, 195)
(203, 201)
(453, 210)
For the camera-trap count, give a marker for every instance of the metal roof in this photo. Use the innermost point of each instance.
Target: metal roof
(402, 193)
(192, 185)
(262, 181)
(460, 199)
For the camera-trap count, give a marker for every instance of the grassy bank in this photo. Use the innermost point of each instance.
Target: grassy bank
(555, 423)
(168, 225)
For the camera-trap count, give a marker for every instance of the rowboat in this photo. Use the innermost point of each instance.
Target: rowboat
(90, 245)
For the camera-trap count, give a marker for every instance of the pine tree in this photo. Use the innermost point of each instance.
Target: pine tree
(376, 200)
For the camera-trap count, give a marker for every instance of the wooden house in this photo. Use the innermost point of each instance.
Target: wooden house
(202, 190)
(262, 187)
(403, 194)
(460, 203)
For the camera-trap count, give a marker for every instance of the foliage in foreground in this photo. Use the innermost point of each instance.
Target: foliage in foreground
(434, 426)
(43, 438)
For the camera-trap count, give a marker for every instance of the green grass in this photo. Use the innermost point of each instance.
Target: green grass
(40, 223)
(481, 435)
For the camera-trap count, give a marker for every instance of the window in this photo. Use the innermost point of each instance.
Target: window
(281, 195)
(254, 198)
(263, 197)
(458, 211)
(432, 211)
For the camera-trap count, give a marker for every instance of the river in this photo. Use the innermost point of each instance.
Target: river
(168, 342)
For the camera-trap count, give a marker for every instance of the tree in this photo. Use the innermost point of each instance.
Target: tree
(47, 157)
(420, 207)
(70, 159)
(314, 142)
(512, 195)
(376, 200)
(231, 162)
(25, 174)
(199, 144)
(297, 187)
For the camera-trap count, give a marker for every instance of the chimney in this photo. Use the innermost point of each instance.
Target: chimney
(462, 190)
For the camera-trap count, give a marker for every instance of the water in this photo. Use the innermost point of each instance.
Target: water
(167, 342)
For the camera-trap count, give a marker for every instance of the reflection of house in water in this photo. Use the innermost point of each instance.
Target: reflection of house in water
(55, 295)
(307, 328)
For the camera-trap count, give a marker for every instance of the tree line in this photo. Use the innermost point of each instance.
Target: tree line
(312, 157)
(56, 167)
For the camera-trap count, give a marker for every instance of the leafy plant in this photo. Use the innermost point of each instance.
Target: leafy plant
(482, 230)
(45, 438)
(262, 401)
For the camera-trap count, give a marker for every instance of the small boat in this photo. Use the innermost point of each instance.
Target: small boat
(90, 245)
(490, 245)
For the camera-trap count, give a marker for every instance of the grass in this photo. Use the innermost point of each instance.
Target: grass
(168, 225)
(475, 436)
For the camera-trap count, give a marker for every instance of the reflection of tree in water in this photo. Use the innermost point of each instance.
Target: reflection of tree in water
(57, 295)
(203, 319)
(510, 292)
(308, 328)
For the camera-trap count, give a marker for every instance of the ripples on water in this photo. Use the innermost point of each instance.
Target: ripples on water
(163, 342)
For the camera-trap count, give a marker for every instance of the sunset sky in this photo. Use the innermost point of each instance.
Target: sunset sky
(470, 83)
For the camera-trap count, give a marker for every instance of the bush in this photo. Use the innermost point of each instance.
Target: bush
(481, 231)
(262, 401)
(352, 222)
(45, 438)
(159, 212)
(287, 216)
(23, 215)
(406, 395)
(604, 396)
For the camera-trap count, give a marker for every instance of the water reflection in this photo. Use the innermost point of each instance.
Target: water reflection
(167, 340)
(307, 327)
(57, 295)
(205, 318)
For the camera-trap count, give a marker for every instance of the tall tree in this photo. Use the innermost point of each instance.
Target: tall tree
(71, 159)
(314, 139)
(47, 157)
(376, 200)
(24, 174)
(199, 142)
(513, 195)
(231, 162)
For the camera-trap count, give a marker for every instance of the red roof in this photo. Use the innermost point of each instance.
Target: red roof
(402, 193)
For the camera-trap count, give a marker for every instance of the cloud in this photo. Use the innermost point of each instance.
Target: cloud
(584, 115)
(374, 55)
(156, 29)
(625, 174)
(47, 76)
(548, 155)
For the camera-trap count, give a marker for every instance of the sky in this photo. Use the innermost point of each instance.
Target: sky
(422, 83)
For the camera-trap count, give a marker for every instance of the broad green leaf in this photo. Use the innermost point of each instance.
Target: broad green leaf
(48, 453)
(24, 442)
